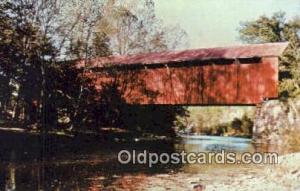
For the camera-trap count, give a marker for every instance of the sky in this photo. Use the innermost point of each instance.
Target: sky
(214, 23)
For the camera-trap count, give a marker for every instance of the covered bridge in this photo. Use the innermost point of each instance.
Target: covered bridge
(237, 75)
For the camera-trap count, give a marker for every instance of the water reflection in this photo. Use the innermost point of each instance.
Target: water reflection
(10, 184)
(93, 165)
(72, 164)
(215, 145)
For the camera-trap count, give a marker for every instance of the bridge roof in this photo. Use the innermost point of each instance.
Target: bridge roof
(232, 52)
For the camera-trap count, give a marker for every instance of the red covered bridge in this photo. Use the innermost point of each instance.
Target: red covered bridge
(245, 74)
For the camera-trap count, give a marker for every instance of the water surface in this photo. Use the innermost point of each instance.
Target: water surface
(33, 163)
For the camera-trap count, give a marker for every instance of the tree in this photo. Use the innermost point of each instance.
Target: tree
(6, 69)
(278, 29)
(26, 50)
(132, 27)
(78, 41)
(101, 45)
(38, 36)
(35, 37)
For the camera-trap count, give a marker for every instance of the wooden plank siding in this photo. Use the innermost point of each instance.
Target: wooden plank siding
(229, 81)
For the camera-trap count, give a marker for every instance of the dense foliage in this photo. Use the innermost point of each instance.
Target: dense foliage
(278, 29)
(40, 86)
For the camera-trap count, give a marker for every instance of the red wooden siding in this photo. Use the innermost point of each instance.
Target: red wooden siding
(202, 82)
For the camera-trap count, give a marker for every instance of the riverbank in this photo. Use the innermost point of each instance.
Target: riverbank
(283, 176)
(105, 134)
